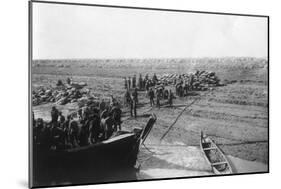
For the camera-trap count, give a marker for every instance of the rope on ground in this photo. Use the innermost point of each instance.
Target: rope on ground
(147, 148)
(188, 105)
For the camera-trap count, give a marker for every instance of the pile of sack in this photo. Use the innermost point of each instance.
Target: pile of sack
(61, 94)
(200, 80)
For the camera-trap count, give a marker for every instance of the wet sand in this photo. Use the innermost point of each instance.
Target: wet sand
(179, 160)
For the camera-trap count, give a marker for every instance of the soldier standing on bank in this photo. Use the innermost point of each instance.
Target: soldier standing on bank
(140, 82)
(127, 98)
(129, 83)
(151, 97)
(134, 81)
(54, 115)
(125, 84)
(185, 88)
(170, 98)
(135, 95)
(146, 85)
(154, 79)
(135, 107)
(146, 77)
(191, 82)
(130, 99)
(135, 101)
(157, 98)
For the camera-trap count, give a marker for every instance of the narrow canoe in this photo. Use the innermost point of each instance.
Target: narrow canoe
(214, 156)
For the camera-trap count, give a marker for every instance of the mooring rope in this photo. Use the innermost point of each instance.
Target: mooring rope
(188, 105)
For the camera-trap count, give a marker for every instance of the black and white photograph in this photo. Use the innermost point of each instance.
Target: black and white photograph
(121, 94)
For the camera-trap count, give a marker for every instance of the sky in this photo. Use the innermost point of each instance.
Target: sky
(71, 31)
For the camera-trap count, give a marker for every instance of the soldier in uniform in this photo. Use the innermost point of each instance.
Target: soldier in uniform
(166, 94)
(191, 82)
(157, 98)
(102, 106)
(140, 82)
(58, 136)
(54, 115)
(116, 114)
(154, 78)
(83, 133)
(68, 81)
(135, 101)
(185, 88)
(65, 128)
(129, 83)
(113, 101)
(73, 133)
(131, 105)
(151, 96)
(33, 119)
(146, 77)
(94, 127)
(38, 130)
(61, 120)
(125, 83)
(170, 97)
(135, 107)
(127, 98)
(135, 95)
(147, 85)
(79, 112)
(134, 81)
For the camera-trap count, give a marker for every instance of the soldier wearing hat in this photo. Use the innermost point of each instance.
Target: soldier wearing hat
(127, 98)
(134, 81)
(158, 98)
(129, 83)
(135, 95)
(140, 82)
(61, 119)
(170, 97)
(132, 105)
(154, 79)
(54, 115)
(151, 96)
(125, 83)
(116, 115)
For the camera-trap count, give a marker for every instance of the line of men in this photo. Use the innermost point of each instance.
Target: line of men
(160, 93)
(94, 124)
(143, 83)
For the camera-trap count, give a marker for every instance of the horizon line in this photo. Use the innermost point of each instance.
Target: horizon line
(203, 57)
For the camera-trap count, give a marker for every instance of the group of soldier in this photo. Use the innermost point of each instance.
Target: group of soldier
(160, 93)
(143, 83)
(89, 125)
(153, 91)
(95, 122)
(130, 84)
(183, 86)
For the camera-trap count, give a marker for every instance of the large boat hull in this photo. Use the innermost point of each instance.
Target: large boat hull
(108, 161)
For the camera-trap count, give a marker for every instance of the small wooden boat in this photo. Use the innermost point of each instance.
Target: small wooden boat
(215, 157)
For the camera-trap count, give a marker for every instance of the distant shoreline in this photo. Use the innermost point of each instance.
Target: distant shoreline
(153, 59)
